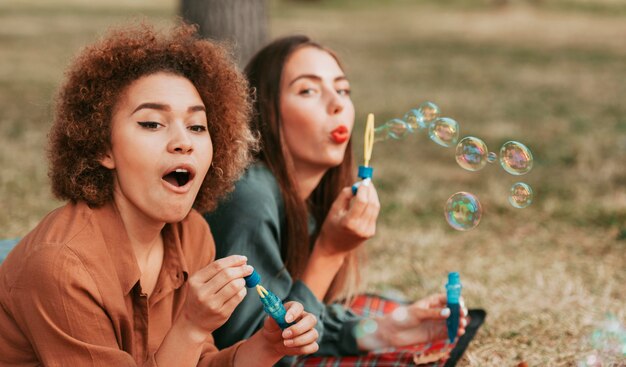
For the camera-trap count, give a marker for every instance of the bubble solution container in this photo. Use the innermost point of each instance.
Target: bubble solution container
(453, 293)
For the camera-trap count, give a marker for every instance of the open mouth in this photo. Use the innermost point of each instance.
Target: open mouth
(178, 177)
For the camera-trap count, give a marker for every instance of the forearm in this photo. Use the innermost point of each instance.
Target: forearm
(321, 269)
(255, 351)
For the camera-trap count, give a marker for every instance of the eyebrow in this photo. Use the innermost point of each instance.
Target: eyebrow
(317, 78)
(166, 108)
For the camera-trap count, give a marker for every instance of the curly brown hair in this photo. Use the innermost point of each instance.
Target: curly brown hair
(81, 133)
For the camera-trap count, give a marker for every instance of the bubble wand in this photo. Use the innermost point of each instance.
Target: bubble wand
(365, 171)
(272, 305)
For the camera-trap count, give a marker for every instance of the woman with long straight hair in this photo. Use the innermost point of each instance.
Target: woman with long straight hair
(293, 213)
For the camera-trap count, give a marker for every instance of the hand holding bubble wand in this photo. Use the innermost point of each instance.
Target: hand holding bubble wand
(365, 171)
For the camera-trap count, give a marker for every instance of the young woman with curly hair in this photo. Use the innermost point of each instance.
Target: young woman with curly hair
(148, 129)
(293, 212)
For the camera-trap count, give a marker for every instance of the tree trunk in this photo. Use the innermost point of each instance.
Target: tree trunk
(241, 22)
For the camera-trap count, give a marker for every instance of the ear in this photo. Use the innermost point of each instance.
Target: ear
(107, 160)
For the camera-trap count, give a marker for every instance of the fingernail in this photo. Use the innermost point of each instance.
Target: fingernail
(287, 334)
(249, 268)
(445, 312)
(462, 303)
(288, 342)
(366, 182)
(243, 258)
(289, 317)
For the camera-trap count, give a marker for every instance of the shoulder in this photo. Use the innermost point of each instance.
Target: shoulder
(49, 270)
(53, 251)
(257, 183)
(256, 197)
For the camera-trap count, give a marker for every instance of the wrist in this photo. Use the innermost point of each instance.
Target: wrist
(257, 350)
(324, 250)
(188, 330)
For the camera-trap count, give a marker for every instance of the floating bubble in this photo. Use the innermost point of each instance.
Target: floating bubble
(492, 157)
(444, 131)
(516, 158)
(430, 111)
(394, 129)
(471, 153)
(415, 120)
(365, 327)
(608, 341)
(463, 211)
(521, 195)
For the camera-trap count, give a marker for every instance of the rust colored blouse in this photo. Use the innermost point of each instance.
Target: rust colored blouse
(70, 292)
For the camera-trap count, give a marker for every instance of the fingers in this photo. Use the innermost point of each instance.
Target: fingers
(229, 278)
(342, 202)
(271, 326)
(421, 314)
(294, 310)
(437, 300)
(209, 271)
(361, 199)
(305, 324)
(364, 210)
(302, 340)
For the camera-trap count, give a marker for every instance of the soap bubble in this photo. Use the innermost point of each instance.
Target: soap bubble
(608, 341)
(471, 153)
(415, 120)
(463, 211)
(521, 195)
(516, 158)
(365, 332)
(444, 131)
(394, 128)
(430, 111)
(492, 157)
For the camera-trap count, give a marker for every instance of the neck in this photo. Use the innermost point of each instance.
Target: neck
(307, 179)
(143, 232)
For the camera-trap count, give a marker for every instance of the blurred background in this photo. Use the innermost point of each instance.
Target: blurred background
(548, 73)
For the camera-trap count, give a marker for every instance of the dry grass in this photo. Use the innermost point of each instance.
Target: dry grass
(552, 76)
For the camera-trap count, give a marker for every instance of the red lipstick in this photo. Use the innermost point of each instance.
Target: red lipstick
(340, 134)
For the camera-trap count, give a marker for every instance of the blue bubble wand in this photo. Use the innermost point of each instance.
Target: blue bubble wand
(453, 294)
(272, 305)
(365, 171)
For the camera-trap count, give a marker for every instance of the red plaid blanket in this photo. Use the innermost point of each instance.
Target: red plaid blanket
(426, 355)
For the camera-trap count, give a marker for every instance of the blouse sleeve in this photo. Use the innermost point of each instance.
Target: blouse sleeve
(65, 321)
(250, 222)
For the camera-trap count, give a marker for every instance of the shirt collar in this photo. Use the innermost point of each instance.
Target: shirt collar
(174, 271)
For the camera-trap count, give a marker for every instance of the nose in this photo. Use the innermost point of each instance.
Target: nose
(180, 141)
(336, 104)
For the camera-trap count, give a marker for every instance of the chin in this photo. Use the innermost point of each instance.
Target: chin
(174, 215)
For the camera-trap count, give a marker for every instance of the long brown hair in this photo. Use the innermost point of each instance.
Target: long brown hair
(264, 72)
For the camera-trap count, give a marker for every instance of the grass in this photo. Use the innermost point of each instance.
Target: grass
(549, 74)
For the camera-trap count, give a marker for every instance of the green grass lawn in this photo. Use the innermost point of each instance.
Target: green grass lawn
(550, 74)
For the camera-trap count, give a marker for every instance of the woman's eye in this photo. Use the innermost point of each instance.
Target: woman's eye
(307, 92)
(149, 125)
(198, 128)
(344, 92)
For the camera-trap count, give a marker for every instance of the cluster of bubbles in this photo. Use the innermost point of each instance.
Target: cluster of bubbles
(463, 210)
(608, 341)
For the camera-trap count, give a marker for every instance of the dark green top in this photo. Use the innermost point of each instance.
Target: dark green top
(251, 222)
